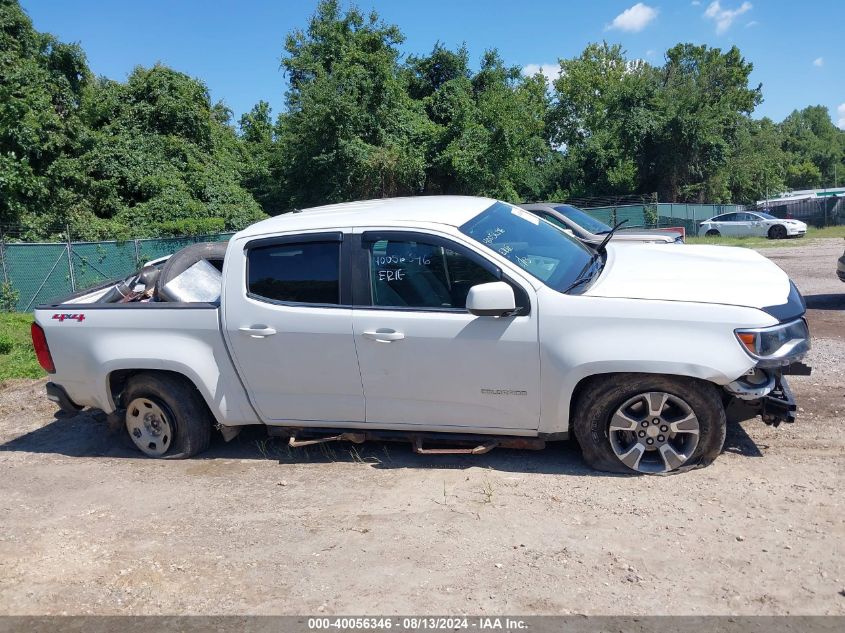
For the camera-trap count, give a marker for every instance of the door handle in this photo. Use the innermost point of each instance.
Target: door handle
(384, 336)
(258, 332)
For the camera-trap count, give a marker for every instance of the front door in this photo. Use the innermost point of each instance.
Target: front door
(425, 361)
(290, 330)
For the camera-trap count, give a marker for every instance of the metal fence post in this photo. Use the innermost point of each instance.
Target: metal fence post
(70, 260)
(137, 253)
(3, 257)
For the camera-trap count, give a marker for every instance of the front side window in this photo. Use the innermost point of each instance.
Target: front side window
(416, 274)
(295, 273)
(537, 247)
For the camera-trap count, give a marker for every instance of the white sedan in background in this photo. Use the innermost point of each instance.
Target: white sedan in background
(751, 224)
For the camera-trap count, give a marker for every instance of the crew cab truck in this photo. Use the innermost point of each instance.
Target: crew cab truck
(444, 320)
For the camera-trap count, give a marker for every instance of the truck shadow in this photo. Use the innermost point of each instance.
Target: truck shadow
(88, 434)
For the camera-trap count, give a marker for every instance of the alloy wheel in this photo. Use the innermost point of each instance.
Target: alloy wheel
(654, 432)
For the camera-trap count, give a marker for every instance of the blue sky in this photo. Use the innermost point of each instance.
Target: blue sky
(797, 48)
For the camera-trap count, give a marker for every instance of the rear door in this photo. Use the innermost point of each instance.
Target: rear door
(288, 321)
(425, 361)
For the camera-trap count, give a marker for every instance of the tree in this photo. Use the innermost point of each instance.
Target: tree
(603, 109)
(350, 130)
(816, 148)
(702, 101)
(755, 168)
(41, 85)
(261, 148)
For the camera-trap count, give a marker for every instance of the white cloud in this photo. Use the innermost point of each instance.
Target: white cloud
(841, 112)
(724, 17)
(634, 19)
(695, 3)
(752, 23)
(551, 71)
(818, 61)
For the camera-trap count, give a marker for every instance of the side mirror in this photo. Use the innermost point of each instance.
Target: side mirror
(493, 299)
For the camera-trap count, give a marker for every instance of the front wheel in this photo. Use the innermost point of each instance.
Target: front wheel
(649, 424)
(777, 232)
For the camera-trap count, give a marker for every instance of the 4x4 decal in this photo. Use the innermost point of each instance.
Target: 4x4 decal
(79, 317)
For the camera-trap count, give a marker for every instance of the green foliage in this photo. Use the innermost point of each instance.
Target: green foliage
(153, 155)
(9, 297)
(19, 361)
(193, 226)
(109, 159)
(6, 344)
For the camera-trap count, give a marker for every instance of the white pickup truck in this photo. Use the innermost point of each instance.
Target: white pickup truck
(457, 323)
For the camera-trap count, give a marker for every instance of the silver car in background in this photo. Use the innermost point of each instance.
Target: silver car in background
(592, 231)
(751, 224)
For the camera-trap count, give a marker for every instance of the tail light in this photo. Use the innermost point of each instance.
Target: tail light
(42, 352)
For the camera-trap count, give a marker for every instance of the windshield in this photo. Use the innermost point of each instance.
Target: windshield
(582, 219)
(534, 245)
(767, 216)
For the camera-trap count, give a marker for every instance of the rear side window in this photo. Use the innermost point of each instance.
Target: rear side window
(295, 273)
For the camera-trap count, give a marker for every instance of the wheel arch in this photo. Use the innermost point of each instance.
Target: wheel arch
(117, 380)
(569, 396)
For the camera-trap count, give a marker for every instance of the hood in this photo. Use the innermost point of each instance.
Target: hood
(643, 235)
(701, 274)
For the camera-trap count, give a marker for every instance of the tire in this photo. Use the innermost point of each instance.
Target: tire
(777, 232)
(713, 233)
(182, 260)
(597, 407)
(166, 417)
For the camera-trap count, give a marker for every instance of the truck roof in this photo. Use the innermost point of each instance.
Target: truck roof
(449, 210)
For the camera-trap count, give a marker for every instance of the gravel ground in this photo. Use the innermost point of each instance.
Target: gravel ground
(87, 526)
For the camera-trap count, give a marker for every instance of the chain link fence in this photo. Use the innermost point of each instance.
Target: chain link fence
(34, 273)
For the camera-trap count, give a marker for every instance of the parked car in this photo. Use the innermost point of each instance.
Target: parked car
(592, 231)
(840, 267)
(447, 319)
(752, 224)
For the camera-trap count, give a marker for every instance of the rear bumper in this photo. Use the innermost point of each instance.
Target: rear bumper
(57, 394)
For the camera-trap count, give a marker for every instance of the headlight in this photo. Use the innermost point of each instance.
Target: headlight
(777, 345)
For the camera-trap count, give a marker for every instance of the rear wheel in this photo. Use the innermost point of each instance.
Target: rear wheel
(712, 233)
(777, 232)
(166, 417)
(649, 424)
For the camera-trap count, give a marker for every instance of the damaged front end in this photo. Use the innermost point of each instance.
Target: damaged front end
(777, 351)
(765, 393)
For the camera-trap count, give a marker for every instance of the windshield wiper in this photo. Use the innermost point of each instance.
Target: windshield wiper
(601, 247)
(586, 273)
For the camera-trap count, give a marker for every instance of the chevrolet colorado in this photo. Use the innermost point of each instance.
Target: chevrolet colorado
(445, 320)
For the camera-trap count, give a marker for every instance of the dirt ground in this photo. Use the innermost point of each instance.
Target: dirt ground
(88, 526)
